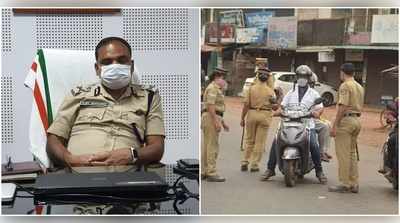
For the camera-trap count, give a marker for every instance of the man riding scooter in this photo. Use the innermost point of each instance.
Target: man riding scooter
(302, 93)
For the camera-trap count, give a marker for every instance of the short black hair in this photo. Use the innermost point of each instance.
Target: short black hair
(347, 68)
(108, 40)
(215, 74)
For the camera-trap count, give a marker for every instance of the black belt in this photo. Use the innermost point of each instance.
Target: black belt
(216, 112)
(352, 115)
(261, 109)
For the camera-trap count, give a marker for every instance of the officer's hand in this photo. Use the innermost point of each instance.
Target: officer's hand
(226, 127)
(218, 126)
(242, 123)
(78, 160)
(333, 132)
(112, 158)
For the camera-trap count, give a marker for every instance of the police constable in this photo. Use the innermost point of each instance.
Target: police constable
(346, 129)
(257, 110)
(211, 123)
(114, 123)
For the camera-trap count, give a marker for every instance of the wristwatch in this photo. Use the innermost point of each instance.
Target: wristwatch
(134, 155)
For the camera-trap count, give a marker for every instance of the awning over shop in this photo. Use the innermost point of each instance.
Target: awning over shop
(314, 49)
(311, 49)
(267, 48)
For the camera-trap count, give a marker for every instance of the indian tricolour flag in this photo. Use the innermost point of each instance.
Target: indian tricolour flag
(52, 75)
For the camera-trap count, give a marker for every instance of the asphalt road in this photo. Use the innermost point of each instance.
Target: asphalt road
(243, 193)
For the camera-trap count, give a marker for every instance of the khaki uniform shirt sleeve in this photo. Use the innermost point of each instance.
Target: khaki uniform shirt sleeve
(246, 98)
(211, 96)
(65, 117)
(344, 95)
(155, 118)
(271, 81)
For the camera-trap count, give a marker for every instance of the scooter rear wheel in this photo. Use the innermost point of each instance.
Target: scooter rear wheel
(289, 170)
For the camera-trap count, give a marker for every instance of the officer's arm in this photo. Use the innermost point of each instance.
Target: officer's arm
(246, 104)
(56, 149)
(210, 104)
(153, 151)
(279, 95)
(343, 104)
(339, 115)
(244, 111)
(212, 111)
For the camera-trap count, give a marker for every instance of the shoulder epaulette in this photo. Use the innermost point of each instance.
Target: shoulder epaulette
(82, 89)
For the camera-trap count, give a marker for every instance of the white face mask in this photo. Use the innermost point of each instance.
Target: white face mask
(302, 82)
(116, 76)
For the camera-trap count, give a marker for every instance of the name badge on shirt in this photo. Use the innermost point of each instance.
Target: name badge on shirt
(94, 104)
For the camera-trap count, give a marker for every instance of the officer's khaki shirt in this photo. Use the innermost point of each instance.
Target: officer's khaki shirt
(213, 95)
(351, 94)
(258, 96)
(91, 120)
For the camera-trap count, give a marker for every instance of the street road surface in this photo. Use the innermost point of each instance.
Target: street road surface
(244, 193)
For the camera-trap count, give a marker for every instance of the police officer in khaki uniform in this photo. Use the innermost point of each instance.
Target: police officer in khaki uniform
(346, 128)
(114, 125)
(259, 101)
(211, 124)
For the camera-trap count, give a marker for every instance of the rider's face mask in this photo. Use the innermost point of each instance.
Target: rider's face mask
(115, 76)
(302, 82)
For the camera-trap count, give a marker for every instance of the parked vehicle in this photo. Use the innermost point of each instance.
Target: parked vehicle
(284, 80)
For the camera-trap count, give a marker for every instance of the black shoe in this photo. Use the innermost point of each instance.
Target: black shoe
(215, 178)
(339, 189)
(254, 169)
(243, 167)
(354, 189)
(321, 177)
(267, 174)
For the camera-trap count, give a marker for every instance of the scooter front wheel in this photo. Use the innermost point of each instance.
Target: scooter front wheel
(289, 167)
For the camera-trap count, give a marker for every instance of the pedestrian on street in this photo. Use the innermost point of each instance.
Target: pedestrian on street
(211, 124)
(256, 116)
(346, 129)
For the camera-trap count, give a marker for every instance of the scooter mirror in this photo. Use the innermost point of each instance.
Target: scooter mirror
(319, 101)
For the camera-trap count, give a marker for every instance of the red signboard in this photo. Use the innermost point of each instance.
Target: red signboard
(227, 33)
(360, 38)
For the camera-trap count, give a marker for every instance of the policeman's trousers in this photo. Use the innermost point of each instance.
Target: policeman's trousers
(257, 124)
(210, 146)
(346, 150)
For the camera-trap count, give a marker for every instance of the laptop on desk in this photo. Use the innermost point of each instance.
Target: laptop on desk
(117, 183)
